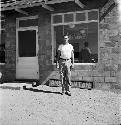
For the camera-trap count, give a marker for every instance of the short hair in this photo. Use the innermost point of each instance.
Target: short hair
(65, 35)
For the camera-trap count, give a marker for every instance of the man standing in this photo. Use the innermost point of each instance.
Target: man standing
(65, 62)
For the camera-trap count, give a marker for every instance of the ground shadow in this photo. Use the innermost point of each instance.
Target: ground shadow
(37, 90)
(9, 87)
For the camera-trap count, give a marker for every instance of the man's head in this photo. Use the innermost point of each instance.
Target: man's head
(66, 39)
(86, 44)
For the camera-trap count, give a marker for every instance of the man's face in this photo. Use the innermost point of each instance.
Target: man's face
(66, 38)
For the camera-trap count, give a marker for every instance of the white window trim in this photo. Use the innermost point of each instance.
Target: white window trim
(74, 22)
(25, 18)
(2, 63)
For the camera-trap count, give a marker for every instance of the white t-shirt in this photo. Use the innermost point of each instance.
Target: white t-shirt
(65, 51)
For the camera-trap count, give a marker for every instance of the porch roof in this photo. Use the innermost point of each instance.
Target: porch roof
(47, 4)
(18, 4)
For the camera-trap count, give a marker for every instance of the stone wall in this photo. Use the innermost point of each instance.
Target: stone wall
(9, 68)
(110, 46)
(45, 45)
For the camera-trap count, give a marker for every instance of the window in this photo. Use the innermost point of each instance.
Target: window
(80, 16)
(93, 15)
(23, 22)
(27, 39)
(57, 19)
(29, 22)
(82, 28)
(2, 39)
(68, 17)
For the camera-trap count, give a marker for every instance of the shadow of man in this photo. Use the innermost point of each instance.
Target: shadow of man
(37, 90)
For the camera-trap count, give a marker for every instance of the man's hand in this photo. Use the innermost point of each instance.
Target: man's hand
(72, 57)
(57, 65)
(57, 59)
(72, 66)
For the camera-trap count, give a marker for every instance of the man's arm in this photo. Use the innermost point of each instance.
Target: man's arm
(89, 50)
(72, 56)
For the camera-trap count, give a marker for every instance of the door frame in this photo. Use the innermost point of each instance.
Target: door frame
(25, 29)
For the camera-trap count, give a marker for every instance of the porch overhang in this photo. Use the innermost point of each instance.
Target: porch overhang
(19, 4)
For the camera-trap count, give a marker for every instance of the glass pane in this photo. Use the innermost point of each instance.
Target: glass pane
(82, 36)
(80, 17)
(2, 53)
(68, 18)
(2, 39)
(2, 46)
(2, 36)
(93, 15)
(76, 51)
(93, 40)
(27, 43)
(58, 38)
(28, 22)
(57, 19)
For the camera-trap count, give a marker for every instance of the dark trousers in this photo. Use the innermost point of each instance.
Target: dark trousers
(65, 73)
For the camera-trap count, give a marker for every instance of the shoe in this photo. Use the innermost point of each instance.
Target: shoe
(62, 93)
(68, 93)
(34, 84)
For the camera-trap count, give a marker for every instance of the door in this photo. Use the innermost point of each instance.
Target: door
(27, 54)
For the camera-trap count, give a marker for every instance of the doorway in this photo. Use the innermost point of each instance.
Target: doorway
(27, 54)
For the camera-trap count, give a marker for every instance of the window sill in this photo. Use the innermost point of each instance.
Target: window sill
(81, 63)
(84, 63)
(2, 63)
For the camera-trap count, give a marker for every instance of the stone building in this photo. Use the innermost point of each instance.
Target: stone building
(32, 30)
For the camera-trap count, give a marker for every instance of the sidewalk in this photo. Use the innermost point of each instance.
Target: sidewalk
(44, 105)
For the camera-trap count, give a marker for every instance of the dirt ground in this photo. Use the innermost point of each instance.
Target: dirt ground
(44, 105)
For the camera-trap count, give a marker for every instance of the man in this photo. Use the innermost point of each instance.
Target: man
(65, 62)
(85, 54)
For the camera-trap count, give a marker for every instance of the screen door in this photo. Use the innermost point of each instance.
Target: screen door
(27, 56)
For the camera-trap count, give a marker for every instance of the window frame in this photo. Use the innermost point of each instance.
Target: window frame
(74, 22)
(24, 18)
(2, 29)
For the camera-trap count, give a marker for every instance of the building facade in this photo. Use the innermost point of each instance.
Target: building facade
(32, 32)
